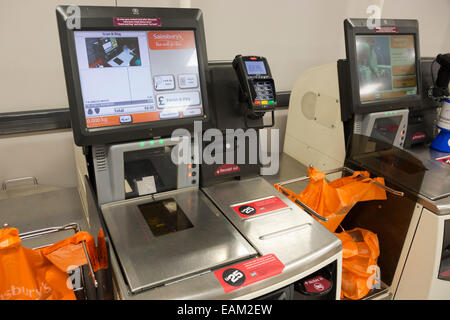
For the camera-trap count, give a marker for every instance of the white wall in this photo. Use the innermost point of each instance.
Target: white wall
(296, 35)
(48, 156)
(31, 70)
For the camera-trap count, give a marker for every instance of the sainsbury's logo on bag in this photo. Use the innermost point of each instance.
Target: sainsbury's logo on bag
(23, 293)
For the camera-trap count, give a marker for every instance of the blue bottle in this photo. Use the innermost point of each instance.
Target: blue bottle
(442, 141)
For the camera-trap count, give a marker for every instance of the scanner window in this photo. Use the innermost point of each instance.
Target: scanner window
(385, 129)
(164, 217)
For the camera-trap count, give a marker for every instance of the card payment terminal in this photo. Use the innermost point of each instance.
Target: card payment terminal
(256, 82)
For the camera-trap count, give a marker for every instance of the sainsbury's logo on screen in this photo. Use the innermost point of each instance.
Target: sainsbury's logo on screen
(166, 36)
(171, 40)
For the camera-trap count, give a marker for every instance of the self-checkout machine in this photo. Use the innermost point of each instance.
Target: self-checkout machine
(373, 112)
(232, 236)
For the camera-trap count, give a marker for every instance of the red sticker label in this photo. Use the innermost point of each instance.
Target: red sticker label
(418, 136)
(137, 22)
(226, 168)
(246, 273)
(249, 209)
(317, 284)
(386, 30)
(445, 160)
(445, 273)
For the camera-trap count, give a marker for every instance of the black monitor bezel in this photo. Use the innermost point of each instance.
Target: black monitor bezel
(97, 18)
(357, 27)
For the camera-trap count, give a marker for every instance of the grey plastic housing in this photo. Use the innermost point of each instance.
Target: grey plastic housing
(364, 124)
(109, 167)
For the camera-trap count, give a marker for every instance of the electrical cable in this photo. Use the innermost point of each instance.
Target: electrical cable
(431, 72)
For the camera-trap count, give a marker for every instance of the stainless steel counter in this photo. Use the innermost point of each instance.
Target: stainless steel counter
(35, 207)
(41, 207)
(149, 260)
(292, 234)
(38, 207)
(435, 190)
(289, 169)
(301, 243)
(435, 185)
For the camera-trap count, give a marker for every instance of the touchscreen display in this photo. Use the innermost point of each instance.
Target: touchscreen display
(386, 66)
(132, 77)
(255, 67)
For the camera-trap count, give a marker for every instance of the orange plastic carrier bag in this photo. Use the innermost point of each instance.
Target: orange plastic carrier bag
(334, 200)
(359, 262)
(41, 274)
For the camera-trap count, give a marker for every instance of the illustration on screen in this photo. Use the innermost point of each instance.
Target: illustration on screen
(112, 52)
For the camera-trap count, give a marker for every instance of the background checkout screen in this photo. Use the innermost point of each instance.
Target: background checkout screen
(386, 66)
(138, 76)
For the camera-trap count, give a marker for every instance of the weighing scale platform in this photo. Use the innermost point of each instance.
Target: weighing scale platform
(154, 251)
(180, 265)
(289, 232)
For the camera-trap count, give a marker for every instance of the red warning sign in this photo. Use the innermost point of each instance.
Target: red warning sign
(445, 160)
(226, 168)
(246, 210)
(246, 273)
(317, 284)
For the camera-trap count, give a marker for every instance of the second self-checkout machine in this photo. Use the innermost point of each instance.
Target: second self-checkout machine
(372, 112)
(171, 238)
